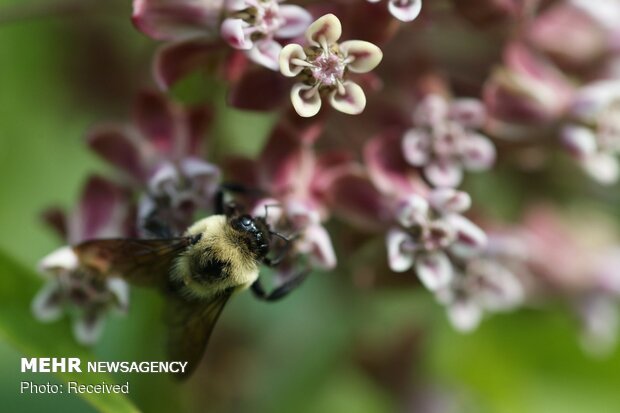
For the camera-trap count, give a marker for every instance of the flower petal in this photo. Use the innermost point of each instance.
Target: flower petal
(478, 152)
(317, 243)
(63, 258)
(398, 260)
(120, 289)
(288, 53)
(175, 60)
(468, 112)
(157, 120)
(352, 196)
(351, 102)
(266, 53)
(591, 99)
(493, 285)
(412, 210)
(47, 304)
(449, 200)
(416, 147)
(113, 143)
(470, 239)
(387, 167)
(56, 219)
(259, 90)
(366, 56)
(579, 140)
(88, 328)
(296, 21)
(603, 167)
(464, 314)
(326, 28)
(430, 111)
(444, 173)
(434, 270)
(405, 11)
(270, 209)
(232, 31)
(306, 100)
(176, 19)
(100, 212)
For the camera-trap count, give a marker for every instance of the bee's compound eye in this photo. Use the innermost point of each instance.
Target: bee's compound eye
(246, 221)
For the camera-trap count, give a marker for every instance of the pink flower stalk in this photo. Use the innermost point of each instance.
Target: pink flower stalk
(161, 153)
(594, 138)
(102, 212)
(322, 68)
(430, 231)
(253, 26)
(444, 140)
(403, 10)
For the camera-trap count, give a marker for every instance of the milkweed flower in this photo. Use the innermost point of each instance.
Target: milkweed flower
(445, 140)
(594, 138)
(431, 229)
(294, 180)
(323, 66)
(484, 285)
(160, 152)
(253, 26)
(403, 10)
(103, 212)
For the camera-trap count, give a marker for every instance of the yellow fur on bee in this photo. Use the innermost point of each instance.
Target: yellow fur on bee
(220, 241)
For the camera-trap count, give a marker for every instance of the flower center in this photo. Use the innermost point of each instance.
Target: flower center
(446, 139)
(268, 19)
(328, 69)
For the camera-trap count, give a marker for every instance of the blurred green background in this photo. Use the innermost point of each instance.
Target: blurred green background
(329, 348)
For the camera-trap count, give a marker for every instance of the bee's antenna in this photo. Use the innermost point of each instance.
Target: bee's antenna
(267, 206)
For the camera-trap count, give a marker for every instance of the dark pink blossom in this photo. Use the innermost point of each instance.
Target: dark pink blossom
(161, 153)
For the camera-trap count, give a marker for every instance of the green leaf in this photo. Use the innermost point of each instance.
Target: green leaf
(18, 327)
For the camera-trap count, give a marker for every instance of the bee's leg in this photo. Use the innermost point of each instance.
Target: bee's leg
(281, 291)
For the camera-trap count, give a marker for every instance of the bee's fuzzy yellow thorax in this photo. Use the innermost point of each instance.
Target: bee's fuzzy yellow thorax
(218, 241)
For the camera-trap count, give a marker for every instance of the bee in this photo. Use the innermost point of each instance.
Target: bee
(215, 258)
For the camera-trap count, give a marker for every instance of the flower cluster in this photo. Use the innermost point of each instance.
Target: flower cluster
(396, 174)
(103, 212)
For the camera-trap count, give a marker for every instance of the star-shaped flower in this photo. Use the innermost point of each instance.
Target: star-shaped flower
(322, 68)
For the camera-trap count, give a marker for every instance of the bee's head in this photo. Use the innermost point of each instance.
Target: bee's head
(254, 232)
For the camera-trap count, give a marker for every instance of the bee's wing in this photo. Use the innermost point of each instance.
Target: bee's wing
(190, 324)
(144, 262)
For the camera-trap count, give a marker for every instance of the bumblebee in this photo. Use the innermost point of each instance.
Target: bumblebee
(216, 258)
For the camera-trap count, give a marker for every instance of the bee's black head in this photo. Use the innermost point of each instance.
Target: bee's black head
(254, 232)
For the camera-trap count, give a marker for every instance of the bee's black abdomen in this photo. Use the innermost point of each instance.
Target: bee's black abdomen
(212, 269)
